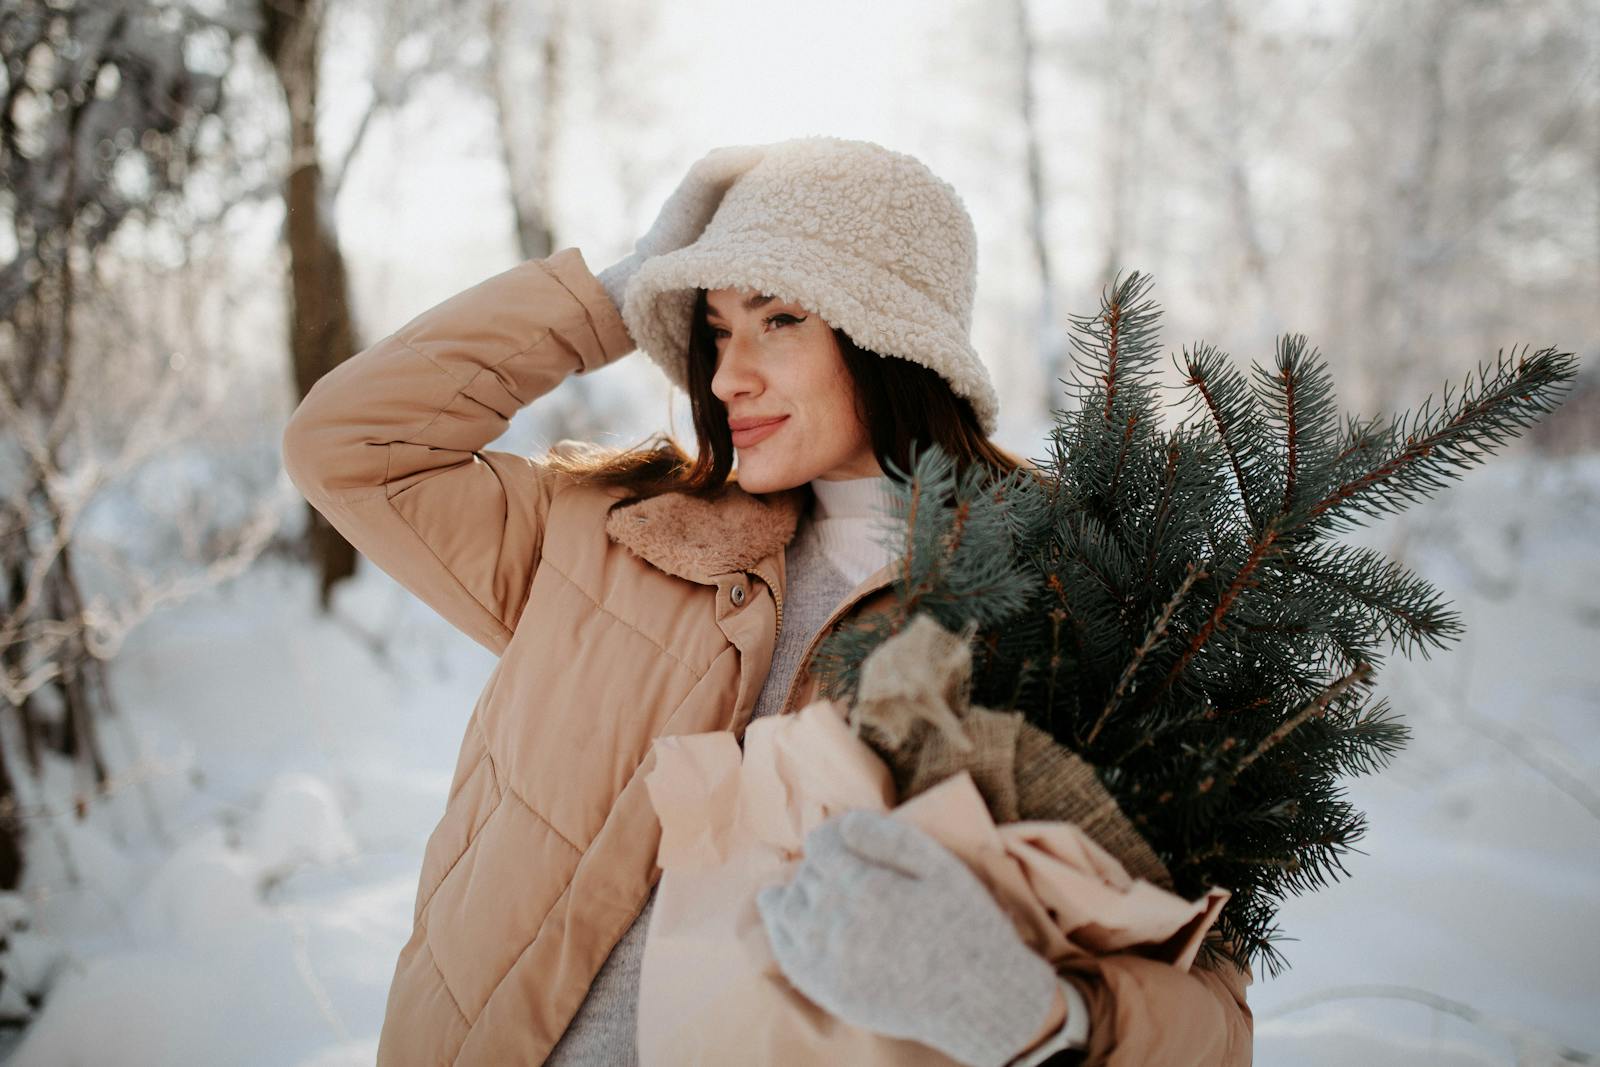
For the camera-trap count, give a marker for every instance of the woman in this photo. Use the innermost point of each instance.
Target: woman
(814, 299)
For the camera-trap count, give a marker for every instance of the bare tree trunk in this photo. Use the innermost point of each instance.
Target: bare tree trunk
(13, 566)
(531, 176)
(1234, 161)
(50, 335)
(1406, 302)
(321, 335)
(1050, 348)
(79, 737)
(1395, 305)
(529, 179)
(15, 552)
(1125, 74)
(11, 838)
(80, 731)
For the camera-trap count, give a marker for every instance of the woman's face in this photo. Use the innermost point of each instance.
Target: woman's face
(791, 401)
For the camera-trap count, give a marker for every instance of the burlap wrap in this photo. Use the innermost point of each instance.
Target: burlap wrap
(913, 707)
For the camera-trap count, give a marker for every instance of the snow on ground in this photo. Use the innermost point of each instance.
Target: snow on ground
(297, 773)
(243, 897)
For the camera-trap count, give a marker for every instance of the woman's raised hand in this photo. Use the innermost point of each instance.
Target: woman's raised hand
(685, 214)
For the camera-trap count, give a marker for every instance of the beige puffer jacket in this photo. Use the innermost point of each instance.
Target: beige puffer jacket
(613, 625)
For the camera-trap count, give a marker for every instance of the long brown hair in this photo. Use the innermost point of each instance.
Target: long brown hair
(900, 402)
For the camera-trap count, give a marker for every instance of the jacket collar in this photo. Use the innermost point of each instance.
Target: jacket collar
(699, 539)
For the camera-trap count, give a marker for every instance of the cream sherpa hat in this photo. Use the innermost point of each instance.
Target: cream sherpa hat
(866, 237)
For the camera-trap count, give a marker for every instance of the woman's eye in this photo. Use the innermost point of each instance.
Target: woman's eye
(782, 318)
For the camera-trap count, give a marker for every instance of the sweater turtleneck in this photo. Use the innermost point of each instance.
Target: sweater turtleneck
(851, 519)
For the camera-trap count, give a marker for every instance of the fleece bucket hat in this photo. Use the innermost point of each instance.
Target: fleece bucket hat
(867, 237)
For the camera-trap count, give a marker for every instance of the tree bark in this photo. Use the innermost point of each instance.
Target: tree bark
(1049, 338)
(321, 335)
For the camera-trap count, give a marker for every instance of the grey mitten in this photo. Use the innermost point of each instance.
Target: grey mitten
(885, 928)
(685, 214)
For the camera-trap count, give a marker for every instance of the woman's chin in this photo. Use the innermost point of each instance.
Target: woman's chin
(756, 477)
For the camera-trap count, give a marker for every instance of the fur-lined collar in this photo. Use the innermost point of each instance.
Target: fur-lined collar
(699, 539)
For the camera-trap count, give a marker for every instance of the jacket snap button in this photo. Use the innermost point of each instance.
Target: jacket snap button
(738, 596)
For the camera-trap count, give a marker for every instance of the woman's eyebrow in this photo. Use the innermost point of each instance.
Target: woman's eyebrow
(750, 304)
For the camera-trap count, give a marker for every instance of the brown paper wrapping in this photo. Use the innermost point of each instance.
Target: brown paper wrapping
(735, 822)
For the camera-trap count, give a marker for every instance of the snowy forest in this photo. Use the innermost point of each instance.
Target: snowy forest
(225, 736)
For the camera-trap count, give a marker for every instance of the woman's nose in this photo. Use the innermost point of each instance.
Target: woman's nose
(736, 370)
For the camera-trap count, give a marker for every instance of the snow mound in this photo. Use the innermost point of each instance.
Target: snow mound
(301, 821)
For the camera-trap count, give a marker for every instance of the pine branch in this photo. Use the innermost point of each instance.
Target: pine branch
(1164, 503)
(909, 598)
(1365, 744)
(1151, 640)
(1261, 550)
(1112, 317)
(1115, 347)
(1128, 426)
(1411, 610)
(1298, 404)
(1225, 400)
(1315, 708)
(1440, 445)
(1291, 434)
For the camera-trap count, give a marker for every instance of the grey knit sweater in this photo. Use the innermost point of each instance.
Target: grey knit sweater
(836, 547)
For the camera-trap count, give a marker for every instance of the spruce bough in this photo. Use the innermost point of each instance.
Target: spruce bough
(1172, 605)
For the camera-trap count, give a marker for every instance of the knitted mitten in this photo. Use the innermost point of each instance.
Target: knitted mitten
(885, 928)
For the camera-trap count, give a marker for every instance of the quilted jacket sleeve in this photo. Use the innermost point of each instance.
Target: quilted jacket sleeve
(389, 445)
(1146, 1013)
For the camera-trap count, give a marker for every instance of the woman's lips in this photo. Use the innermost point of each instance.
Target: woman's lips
(759, 432)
